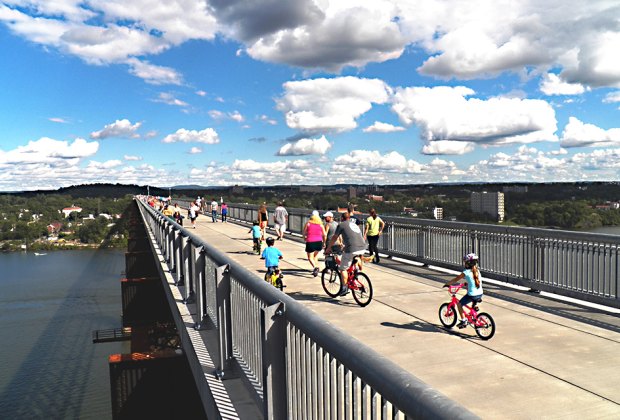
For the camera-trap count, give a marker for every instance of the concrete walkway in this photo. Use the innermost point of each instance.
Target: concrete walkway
(548, 359)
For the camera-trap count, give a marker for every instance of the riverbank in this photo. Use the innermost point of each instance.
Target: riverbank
(15, 246)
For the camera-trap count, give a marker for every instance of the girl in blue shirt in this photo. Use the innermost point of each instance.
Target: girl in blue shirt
(472, 277)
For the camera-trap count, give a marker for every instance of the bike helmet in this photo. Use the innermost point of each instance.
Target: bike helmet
(270, 241)
(470, 259)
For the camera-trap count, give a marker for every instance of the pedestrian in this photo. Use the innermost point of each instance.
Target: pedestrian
(314, 235)
(224, 212)
(280, 219)
(192, 213)
(262, 219)
(373, 228)
(214, 210)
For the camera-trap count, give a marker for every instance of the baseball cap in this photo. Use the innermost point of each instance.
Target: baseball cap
(315, 212)
(328, 214)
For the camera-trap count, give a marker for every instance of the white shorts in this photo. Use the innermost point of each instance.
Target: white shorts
(347, 257)
(280, 227)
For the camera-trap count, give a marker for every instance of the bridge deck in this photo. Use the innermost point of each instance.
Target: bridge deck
(548, 359)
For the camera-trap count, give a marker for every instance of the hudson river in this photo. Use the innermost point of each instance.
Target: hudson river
(49, 305)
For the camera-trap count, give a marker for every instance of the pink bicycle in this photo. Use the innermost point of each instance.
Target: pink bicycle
(482, 322)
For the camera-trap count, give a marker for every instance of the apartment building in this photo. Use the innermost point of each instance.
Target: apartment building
(491, 203)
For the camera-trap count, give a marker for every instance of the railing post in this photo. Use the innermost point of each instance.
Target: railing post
(222, 298)
(273, 337)
(178, 256)
(201, 312)
(192, 273)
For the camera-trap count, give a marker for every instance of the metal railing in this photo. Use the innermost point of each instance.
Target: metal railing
(298, 365)
(584, 266)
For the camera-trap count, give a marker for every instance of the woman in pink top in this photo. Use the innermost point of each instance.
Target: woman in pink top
(314, 235)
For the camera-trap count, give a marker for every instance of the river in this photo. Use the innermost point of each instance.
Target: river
(49, 305)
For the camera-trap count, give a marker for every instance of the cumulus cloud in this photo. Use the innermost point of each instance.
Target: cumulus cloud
(381, 127)
(579, 134)
(301, 147)
(49, 151)
(446, 114)
(119, 128)
(552, 84)
(208, 136)
(195, 150)
(132, 158)
(374, 161)
(267, 120)
(58, 120)
(104, 165)
(448, 147)
(98, 31)
(324, 105)
(366, 31)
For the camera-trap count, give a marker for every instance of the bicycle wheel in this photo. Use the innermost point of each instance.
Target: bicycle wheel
(279, 283)
(331, 282)
(362, 289)
(485, 326)
(447, 315)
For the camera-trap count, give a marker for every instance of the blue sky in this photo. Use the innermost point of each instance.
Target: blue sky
(264, 92)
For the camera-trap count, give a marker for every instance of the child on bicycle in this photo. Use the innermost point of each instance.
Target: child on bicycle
(272, 256)
(472, 277)
(256, 235)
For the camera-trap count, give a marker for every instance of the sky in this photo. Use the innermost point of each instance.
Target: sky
(279, 92)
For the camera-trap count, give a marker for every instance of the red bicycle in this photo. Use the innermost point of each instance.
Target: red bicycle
(358, 282)
(482, 322)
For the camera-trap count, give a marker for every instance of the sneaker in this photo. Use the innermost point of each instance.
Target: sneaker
(463, 323)
(344, 292)
(315, 272)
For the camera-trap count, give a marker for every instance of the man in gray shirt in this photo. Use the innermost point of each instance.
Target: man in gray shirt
(354, 244)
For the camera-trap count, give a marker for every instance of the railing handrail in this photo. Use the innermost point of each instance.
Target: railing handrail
(405, 391)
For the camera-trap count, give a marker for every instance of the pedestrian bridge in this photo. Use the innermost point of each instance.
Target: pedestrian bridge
(549, 358)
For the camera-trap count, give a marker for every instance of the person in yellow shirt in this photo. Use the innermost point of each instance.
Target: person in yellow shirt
(372, 229)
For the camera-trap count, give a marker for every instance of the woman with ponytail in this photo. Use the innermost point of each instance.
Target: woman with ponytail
(472, 277)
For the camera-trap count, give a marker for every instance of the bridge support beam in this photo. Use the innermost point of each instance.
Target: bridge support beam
(273, 332)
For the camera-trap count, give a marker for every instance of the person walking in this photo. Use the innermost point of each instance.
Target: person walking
(373, 228)
(262, 219)
(314, 235)
(214, 210)
(224, 212)
(280, 218)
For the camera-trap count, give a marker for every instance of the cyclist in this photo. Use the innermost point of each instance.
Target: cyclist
(354, 244)
(472, 277)
(272, 256)
(256, 235)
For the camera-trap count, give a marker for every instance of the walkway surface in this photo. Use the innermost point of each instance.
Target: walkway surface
(548, 359)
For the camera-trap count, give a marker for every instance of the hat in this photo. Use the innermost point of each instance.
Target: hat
(328, 214)
(315, 212)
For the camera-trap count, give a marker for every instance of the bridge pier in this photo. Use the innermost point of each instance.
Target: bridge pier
(154, 379)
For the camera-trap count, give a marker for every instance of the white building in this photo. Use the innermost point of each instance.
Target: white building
(438, 213)
(489, 203)
(68, 210)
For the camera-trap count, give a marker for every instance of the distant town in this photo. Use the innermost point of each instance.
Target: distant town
(92, 215)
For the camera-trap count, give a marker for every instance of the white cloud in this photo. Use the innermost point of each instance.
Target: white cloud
(552, 84)
(201, 93)
(612, 97)
(132, 158)
(325, 105)
(374, 161)
(58, 120)
(236, 116)
(267, 120)
(579, 134)
(120, 128)
(208, 136)
(381, 127)
(104, 165)
(152, 74)
(195, 150)
(318, 146)
(169, 99)
(447, 147)
(446, 114)
(49, 151)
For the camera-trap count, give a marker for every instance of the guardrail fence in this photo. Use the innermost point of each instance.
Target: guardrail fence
(298, 365)
(584, 266)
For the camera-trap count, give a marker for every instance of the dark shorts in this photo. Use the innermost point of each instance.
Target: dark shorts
(314, 246)
(467, 299)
